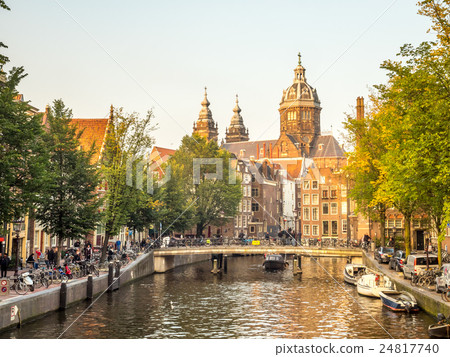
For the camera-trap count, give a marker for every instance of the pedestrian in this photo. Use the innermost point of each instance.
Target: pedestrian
(51, 257)
(46, 258)
(30, 260)
(4, 263)
(118, 245)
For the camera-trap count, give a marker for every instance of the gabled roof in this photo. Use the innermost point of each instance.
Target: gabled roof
(326, 146)
(250, 147)
(94, 132)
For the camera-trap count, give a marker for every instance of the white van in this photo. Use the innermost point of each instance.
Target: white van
(417, 263)
(443, 278)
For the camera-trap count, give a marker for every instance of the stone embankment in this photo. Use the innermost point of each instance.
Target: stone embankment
(428, 300)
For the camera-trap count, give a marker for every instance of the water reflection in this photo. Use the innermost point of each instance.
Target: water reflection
(247, 302)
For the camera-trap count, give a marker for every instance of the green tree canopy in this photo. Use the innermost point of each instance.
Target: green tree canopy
(69, 207)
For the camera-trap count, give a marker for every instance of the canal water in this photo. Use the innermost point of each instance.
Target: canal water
(248, 302)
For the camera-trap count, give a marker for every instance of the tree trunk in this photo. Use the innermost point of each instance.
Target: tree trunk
(199, 229)
(104, 247)
(407, 233)
(441, 235)
(58, 252)
(382, 216)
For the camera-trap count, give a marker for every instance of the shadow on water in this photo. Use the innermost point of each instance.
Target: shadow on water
(247, 302)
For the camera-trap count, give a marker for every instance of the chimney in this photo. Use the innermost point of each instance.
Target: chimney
(257, 151)
(264, 149)
(270, 150)
(359, 108)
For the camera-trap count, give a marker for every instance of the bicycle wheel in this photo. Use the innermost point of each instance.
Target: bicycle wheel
(21, 288)
(414, 280)
(64, 278)
(446, 296)
(45, 282)
(95, 271)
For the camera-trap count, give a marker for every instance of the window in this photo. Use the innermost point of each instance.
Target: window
(306, 213)
(325, 230)
(315, 185)
(391, 223)
(255, 207)
(306, 185)
(344, 207)
(398, 223)
(244, 206)
(244, 221)
(252, 229)
(315, 230)
(334, 228)
(240, 221)
(315, 199)
(240, 206)
(306, 229)
(324, 208)
(249, 206)
(255, 192)
(235, 221)
(315, 213)
(299, 205)
(334, 208)
(325, 194)
(344, 226)
(253, 178)
(416, 223)
(306, 199)
(333, 193)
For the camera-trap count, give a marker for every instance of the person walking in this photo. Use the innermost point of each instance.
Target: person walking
(46, 258)
(4, 263)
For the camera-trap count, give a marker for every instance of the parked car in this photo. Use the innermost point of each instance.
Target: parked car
(417, 263)
(383, 254)
(398, 260)
(443, 278)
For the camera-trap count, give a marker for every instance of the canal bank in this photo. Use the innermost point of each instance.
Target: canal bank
(19, 309)
(428, 300)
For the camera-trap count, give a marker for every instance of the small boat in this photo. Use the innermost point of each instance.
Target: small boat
(275, 262)
(352, 272)
(441, 329)
(399, 300)
(372, 284)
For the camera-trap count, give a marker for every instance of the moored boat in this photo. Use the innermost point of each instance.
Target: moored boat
(441, 329)
(275, 262)
(372, 284)
(352, 272)
(399, 300)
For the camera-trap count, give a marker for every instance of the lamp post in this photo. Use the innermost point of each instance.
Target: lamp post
(348, 218)
(427, 242)
(17, 228)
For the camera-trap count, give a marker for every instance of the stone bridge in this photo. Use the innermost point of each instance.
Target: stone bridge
(169, 258)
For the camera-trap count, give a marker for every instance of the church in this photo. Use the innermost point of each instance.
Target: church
(305, 167)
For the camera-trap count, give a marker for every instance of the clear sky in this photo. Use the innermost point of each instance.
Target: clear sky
(159, 55)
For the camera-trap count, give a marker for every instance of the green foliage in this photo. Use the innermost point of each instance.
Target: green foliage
(412, 112)
(23, 154)
(127, 140)
(211, 201)
(69, 207)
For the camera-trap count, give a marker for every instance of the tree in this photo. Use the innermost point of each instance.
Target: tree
(69, 207)
(127, 140)
(364, 169)
(412, 112)
(210, 201)
(23, 154)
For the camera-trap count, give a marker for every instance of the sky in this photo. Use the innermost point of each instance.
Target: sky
(159, 55)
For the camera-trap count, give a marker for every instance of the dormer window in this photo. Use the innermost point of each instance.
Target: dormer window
(320, 146)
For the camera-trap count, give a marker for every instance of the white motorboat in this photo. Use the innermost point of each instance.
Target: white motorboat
(372, 284)
(352, 272)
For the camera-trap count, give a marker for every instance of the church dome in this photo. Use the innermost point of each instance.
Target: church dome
(300, 90)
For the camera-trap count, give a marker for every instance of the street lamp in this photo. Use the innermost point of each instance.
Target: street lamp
(17, 227)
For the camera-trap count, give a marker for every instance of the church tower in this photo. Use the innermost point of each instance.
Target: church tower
(236, 131)
(300, 111)
(205, 125)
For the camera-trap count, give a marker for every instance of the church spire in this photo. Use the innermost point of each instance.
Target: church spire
(236, 131)
(205, 125)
